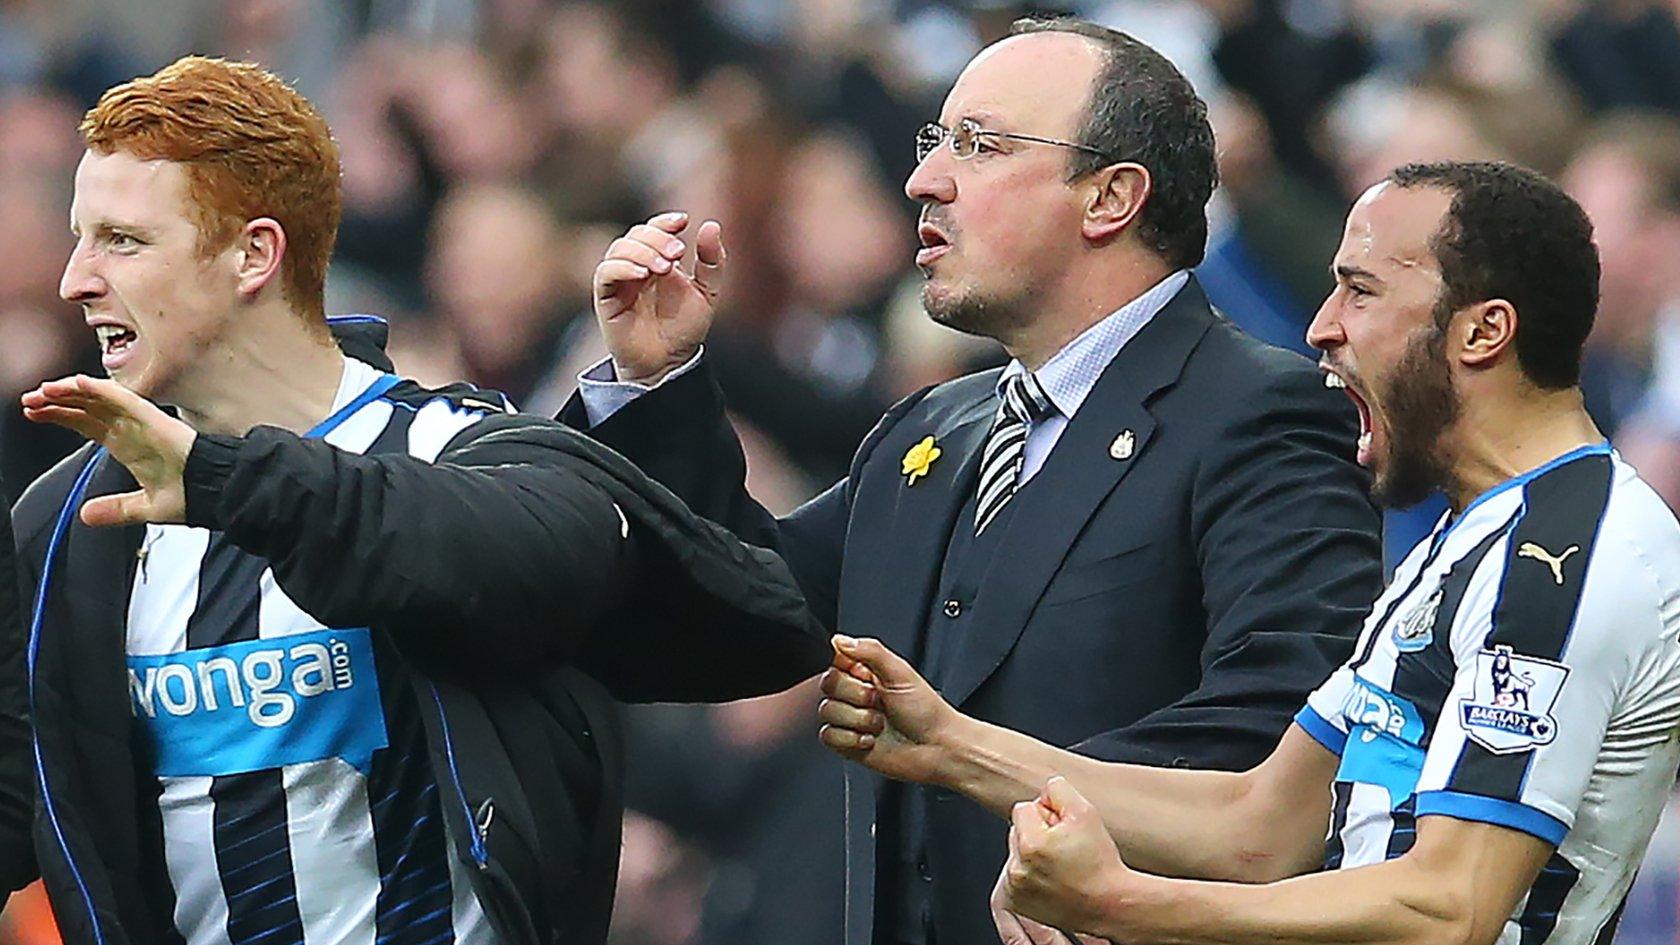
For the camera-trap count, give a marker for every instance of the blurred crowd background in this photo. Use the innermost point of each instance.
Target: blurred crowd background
(492, 149)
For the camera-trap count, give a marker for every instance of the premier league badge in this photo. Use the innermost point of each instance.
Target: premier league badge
(1512, 706)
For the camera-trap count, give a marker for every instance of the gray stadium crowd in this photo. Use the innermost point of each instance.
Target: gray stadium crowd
(492, 148)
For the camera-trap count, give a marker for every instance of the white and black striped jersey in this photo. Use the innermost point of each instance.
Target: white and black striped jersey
(294, 800)
(1522, 669)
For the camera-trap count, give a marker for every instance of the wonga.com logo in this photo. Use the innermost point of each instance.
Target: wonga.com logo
(261, 704)
(255, 683)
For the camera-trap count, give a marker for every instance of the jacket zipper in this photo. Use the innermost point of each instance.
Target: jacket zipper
(480, 831)
(477, 821)
(60, 527)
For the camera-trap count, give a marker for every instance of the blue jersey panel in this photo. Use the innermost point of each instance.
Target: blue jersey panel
(261, 704)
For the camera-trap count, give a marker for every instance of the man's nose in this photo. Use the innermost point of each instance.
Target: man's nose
(1325, 330)
(931, 181)
(80, 284)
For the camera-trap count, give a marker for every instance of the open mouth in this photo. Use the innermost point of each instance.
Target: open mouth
(1335, 381)
(934, 245)
(115, 341)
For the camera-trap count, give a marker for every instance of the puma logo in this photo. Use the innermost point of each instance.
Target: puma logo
(1529, 549)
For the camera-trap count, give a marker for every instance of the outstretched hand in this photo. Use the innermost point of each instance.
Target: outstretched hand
(654, 314)
(150, 443)
(881, 713)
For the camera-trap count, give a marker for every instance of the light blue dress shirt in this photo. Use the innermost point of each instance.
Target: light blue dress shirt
(1071, 373)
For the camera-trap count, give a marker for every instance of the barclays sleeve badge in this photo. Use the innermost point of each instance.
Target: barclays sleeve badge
(1511, 709)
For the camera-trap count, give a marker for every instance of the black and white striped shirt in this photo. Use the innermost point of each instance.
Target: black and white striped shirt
(1522, 669)
(293, 800)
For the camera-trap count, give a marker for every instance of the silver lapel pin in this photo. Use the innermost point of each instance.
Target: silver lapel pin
(1123, 446)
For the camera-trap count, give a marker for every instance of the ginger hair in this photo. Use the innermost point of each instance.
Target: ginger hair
(251, 147)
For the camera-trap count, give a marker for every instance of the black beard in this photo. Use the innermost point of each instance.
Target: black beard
(1421, 405)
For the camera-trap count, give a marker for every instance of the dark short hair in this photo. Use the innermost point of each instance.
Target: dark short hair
(1512, 234)
(1142, 109)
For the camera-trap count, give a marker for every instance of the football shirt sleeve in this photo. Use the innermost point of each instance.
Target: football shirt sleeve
(1322, 717)
(1543, 663)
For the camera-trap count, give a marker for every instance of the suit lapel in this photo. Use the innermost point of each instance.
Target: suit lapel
(899, 531)
(1085, 466)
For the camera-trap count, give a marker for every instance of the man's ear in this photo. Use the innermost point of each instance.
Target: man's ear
(260, 247)
(1484, 332)
(1117, 194)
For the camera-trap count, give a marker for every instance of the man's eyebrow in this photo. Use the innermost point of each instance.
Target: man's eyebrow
(107, 227)
(1345, 272)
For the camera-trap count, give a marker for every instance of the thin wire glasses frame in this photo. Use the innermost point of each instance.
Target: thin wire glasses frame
(964, 140)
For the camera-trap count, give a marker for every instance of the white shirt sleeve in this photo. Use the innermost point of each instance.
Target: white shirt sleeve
(1323, 717)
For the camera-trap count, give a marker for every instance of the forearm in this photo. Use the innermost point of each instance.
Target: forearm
(530, 550)
(1173, 821)
(1392, 903)
(679, 434)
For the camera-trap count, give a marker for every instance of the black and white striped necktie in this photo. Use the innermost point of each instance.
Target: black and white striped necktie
(1024, 403)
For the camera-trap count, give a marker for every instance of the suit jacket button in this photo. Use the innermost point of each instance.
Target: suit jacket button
(953, 608)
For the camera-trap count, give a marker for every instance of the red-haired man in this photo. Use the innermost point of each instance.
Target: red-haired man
(318, 661)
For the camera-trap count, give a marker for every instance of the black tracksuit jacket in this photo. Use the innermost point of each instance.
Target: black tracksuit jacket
(16, 791)
(502, 575)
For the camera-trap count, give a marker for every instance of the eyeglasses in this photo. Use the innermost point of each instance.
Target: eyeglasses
(967, 137)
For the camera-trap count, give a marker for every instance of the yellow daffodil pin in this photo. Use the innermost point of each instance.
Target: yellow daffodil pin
(920, 457)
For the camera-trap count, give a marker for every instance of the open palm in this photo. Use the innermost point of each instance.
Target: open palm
(151, 444)
(654, 313)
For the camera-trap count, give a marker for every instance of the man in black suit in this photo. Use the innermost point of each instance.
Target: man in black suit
(1145, 538)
